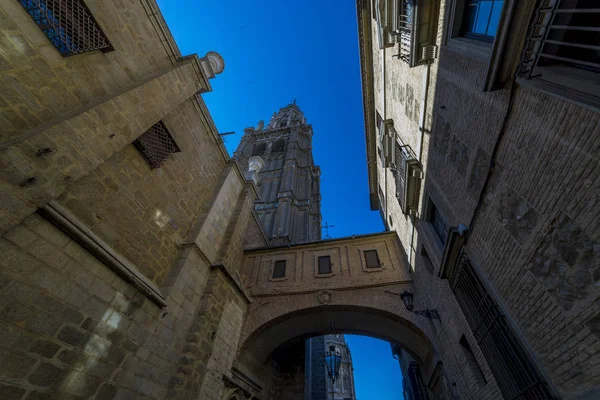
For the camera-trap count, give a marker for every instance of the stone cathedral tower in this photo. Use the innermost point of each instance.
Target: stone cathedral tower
(289, 206)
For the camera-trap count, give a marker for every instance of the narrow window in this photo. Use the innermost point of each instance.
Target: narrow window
(472, 361)
(279, 269)
(278, 146)
(371, 259)
(156, 145)
(259, 149)
(481, 18)
(69, 25)
(324, 265)
(438, 221)
(516, 374)
(427, 261)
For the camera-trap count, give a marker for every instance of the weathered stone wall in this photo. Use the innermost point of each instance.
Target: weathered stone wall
(73, 327)
(211, 344)
(535, 234)
(40, 84)
(146, 213)
(254, 237)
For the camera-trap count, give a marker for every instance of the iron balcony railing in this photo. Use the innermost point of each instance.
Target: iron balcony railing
(404, 29)
(406, 183)
(516, 374)
(68, 24)
(562, 32)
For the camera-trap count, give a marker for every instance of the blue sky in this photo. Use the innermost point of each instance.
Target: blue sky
(276, 51)
(376, 373)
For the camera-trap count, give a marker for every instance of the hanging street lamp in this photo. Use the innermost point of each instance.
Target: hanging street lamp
(333, 360)
(407, 298)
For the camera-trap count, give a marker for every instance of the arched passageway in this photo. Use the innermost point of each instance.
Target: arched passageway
(379, 312)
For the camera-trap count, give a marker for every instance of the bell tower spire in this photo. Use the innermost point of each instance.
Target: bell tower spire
(289, 206)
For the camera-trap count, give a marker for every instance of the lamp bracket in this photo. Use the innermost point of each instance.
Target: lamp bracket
(431, 314)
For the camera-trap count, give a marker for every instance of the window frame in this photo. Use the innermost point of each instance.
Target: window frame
(371, 251)
(502, 54)
(319, 258)
(473, 35)
(474, 366)
(274, 270)
(433, 210)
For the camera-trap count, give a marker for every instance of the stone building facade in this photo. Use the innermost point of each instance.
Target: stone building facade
(136, 265)
(122, 215)
(482, 141)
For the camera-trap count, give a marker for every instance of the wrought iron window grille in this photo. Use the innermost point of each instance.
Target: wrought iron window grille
(156, 145)
(562, 35)
(516, 374)
(68, 24)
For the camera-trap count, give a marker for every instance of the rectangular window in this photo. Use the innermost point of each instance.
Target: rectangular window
(279, 269)
(562, 52)
(438, 222)
(481, 18)
(324, 265)
(156, 145)
(472, 361)
(68, 24)
(517, 375)
(371, 259)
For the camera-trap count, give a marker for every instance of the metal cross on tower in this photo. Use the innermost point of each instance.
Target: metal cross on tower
(326, 227)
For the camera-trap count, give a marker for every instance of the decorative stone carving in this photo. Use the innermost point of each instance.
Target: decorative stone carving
(255, 164)
(324, 297)
(217, 63)
(260, 125)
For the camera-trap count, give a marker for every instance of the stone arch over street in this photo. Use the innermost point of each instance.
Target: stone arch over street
(377, 312)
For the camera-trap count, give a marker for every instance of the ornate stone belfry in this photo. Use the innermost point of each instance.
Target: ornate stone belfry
(289, 207)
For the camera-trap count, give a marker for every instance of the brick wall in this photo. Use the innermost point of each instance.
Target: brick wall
(540, 201)
(72, 326)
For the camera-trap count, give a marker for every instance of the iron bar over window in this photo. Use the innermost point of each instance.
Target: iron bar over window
(563, 33)
(69, 25)
(516, 374)
(156, 145)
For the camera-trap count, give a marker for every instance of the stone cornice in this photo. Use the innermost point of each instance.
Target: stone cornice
(209, 126)
(366, 73)
(337, 289)
(391, 234)
(160, 26)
